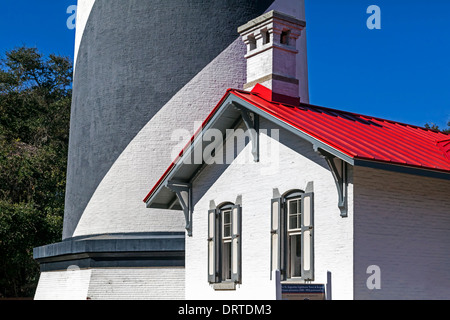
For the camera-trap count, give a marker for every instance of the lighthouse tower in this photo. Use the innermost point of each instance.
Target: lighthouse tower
(142, 70)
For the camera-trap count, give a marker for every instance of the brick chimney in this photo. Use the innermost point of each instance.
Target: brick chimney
(272, 54)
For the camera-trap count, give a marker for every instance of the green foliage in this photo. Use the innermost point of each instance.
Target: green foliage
(23, 227)
(35, 99)
(436, 127)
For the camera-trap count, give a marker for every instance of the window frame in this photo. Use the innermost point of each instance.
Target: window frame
(288, 233)
(225, 258)
(226, 269)
(281, 235)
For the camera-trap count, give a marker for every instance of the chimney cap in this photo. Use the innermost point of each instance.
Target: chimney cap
(268, 16)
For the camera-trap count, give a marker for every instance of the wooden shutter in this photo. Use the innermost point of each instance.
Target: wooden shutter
(307, 238)
(276, 237)
(236, 244)
(212, 246)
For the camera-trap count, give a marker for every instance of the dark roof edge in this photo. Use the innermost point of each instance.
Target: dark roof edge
(393, 167)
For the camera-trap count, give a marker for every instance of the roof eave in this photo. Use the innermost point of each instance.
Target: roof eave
(186, 153)
(231, 99)
(400, 168)
(178, 171)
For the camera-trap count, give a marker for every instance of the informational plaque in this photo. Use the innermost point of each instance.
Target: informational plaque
(297, 291)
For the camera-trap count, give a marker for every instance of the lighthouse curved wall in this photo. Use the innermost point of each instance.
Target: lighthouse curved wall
(142, 70)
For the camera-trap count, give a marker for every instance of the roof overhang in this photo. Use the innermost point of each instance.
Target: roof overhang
(173, 190)
(394, 167)
(226, 115)
(185, 167)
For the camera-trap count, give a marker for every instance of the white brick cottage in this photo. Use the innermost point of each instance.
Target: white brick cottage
(282, 197)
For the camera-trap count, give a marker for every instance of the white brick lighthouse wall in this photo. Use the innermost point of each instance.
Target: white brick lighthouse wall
(143, 70)
(109, 283)
(298, 165)
(160, 76)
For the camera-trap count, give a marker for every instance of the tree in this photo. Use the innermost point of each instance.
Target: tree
(35, 99)
(436, 127)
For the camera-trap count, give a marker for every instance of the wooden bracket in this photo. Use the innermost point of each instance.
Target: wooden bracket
(339, 172)
(183, 192)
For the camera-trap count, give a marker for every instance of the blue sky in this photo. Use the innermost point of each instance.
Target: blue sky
(400, 72)
(36, 23)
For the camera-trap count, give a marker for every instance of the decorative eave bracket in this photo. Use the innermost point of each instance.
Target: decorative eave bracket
(251, 121)
(183, 191)
(338, 168)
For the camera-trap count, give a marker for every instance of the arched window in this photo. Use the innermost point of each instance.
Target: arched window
(225, 225)
(224, 243)
(293, 215)
(292, 235)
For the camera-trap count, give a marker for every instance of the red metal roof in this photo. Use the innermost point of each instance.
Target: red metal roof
(358, 136)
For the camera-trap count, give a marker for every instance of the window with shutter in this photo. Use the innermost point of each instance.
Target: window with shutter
(236, 247)
(276, 235)
(224, 244)
(307, 227)
(292, 235)
(212, 246)
(293, 241)
(226, 215)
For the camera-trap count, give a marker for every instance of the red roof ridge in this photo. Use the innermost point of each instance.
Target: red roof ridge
(363, 116)
(369, 117)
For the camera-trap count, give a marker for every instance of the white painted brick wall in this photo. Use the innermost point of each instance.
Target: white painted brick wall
(402, 224)
(260, 65)
(399, 222)
(112, 284)
(296, 8)
(283, 87)
(273, 61)
(333, 234)
(283, 62)
(137, 284)
(84, 8)
(117, 204)
(63, 285)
